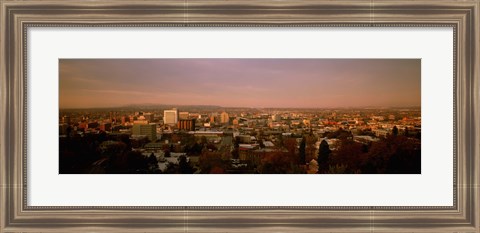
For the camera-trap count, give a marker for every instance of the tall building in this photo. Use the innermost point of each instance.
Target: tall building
(141, 121)
(63, 128)
(183, 115)
(213, 117)
(112, 116)
(66, 119)
(125, 119)
(188, 125)
(149, 116)
(145, 129)
(224, 119)
(275, 117)
(170, 117)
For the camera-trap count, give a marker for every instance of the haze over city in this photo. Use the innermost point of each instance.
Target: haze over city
(240, 116)
(256, 83)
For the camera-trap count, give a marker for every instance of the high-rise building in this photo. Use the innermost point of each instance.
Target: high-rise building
(188, 125)
(125, 119)
(63, 128)
(145, 129)
(112, 116)
(275, 117)
(149, 116)
(213, 117)
(224, 119)
(66, 119)
(183, 115)
(170, 117)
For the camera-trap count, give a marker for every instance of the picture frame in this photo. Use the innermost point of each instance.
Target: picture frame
(17, 16)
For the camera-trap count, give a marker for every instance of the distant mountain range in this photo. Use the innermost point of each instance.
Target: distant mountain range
(216, 107)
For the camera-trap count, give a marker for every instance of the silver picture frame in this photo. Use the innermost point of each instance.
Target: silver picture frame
(17, 16)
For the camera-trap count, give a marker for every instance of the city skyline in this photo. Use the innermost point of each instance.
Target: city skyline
(256, 83)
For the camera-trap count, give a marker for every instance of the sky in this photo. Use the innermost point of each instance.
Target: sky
(256, 83)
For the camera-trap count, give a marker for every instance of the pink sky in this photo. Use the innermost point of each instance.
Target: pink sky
(302, 83)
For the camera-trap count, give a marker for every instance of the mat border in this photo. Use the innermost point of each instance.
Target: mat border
(17, 16)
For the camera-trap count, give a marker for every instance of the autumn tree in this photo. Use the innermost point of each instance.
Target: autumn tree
(211, 162)
(349, 157)
(394, 155)
(278, 163)
(290, 144)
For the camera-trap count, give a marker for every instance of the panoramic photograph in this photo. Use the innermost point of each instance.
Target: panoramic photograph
(239, 116)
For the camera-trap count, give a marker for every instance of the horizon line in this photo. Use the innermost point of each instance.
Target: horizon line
(218, 106)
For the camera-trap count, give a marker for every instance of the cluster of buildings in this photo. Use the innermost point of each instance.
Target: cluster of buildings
(242, 122)
(250, 129)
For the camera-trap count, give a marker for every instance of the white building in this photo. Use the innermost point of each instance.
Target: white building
(224, 119)
(170, 117)
(276, 117)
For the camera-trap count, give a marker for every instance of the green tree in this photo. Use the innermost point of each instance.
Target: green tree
(184, 165)
(203, 140)
(261, 144)
(137, 163)
(406, 132)
(152, 164)
(302, 151)
(323, 154)
(395, 131)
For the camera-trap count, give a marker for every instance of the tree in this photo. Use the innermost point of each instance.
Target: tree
(302, 151)
(349, 156)
(166, 152)
(418, 135)
(393, 155)
(323, 154)
(129, 162)
(261, 144)
(209, 160)
(203, 140)
(175, 138)
(290, 144)
(278, 162)
(406, 132)
(184, 166)
(310, 150)
(337, 169)
(395, 131)
(152, 164)
(211, 147)
(405, 156)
